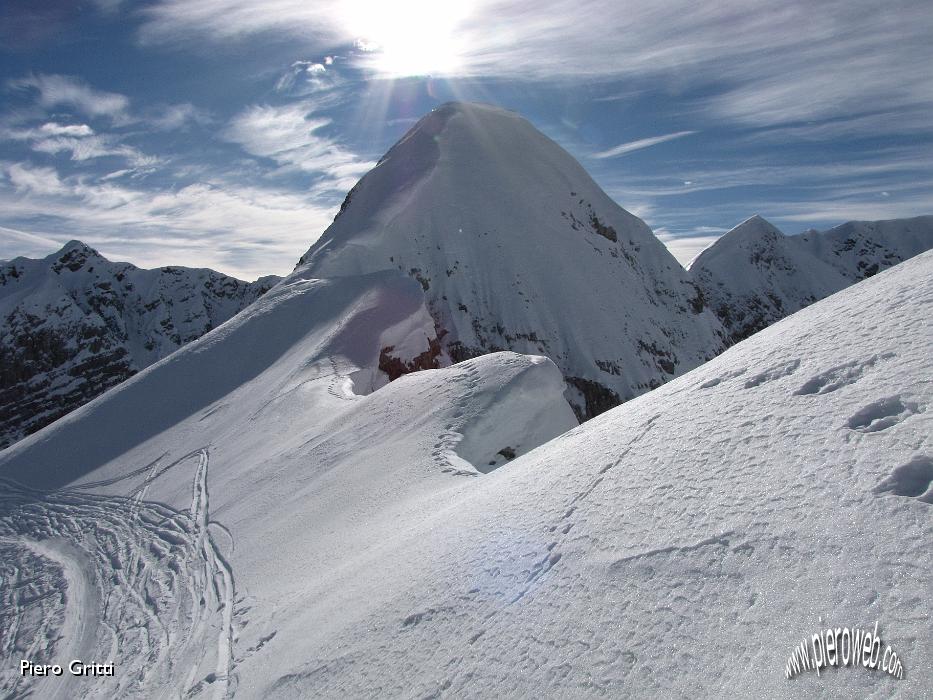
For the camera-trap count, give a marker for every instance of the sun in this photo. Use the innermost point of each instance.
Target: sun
(408, 37)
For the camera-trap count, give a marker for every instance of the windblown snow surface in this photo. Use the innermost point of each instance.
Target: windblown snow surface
(259, 514)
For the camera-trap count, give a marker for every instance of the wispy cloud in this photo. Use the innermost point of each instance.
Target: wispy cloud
(79, 140)
(624, 148)
(686, 247)
(244, 230)
(290, 136)
(177, 117)
(309, 77)
(765, 63)
(62, 90)
(94, 147)
(51, 92)
(26, 243)
(35, 180)
(71, 130)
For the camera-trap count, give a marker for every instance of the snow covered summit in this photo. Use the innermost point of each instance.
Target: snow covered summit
(517, 248)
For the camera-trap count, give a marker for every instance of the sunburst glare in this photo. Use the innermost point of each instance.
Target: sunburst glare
(407, 38)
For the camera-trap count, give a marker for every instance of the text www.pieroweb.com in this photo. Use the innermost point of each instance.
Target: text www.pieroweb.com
(841, 646)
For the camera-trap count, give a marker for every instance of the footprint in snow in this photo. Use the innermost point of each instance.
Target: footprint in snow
(784, 369)
(881, 414)
(840, 376)
(911, 480)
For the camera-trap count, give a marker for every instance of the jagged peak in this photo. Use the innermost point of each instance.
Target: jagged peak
(74, 255)
(753, 233)
(75, 246)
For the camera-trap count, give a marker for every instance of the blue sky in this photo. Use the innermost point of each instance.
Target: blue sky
(225, 133)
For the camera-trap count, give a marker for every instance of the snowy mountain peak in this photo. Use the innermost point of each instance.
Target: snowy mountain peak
(860, 249)
(754, 229)
(74, 324)
(76, 245)
(755, 275)
(517, 248)
(74, 255)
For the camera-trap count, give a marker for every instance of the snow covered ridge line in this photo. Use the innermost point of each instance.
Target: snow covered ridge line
(842, 647)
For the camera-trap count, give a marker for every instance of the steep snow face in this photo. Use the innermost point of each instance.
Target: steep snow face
(517, 248)
(200, 502)
(755, 275)
(75, 324)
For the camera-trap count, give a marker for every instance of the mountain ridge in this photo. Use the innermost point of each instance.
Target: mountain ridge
(74, 324)
(756, 275)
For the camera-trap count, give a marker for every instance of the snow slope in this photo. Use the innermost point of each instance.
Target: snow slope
(247, 519)
(678, 546)
(755, 275)
(75, 324)
(202, 498)
(517, 248)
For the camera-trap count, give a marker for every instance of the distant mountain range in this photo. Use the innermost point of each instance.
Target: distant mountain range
(74, 324)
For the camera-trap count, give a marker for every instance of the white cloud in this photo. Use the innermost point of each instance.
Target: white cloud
(94, 147)
(62, 90)
(55, 91)
(178, 116)
(855, 208)
(79, 140)
(29, 179)
(14, 242)
(288, 135)
(73, 130)
(243, 230)
(624, 148)
(686, 247)
(49, 129)
(310, 77)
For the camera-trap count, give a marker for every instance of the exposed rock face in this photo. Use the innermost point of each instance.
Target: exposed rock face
(75, 324)
(516, 248)
(395, 366)
(755, 275)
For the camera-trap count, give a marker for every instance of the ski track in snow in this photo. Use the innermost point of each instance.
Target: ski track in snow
(115, 579)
